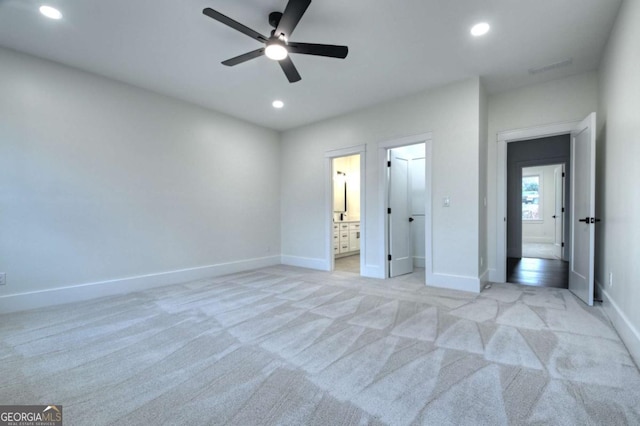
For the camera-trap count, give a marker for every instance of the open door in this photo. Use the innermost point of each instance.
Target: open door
(400, 241)
(558, 214)
(583, 189)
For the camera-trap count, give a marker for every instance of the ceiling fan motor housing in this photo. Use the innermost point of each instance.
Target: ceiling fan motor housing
(274, 19)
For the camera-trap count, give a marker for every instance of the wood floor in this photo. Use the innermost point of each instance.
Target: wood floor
(538, 272)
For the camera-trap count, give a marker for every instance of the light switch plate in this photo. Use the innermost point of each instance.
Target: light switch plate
(446, 202)
(3, 278)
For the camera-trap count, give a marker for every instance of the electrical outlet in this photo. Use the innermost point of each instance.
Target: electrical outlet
(3, 278)
(610, 279)
(481, 261)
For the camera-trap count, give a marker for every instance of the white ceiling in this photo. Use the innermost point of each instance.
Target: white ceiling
(395, 48)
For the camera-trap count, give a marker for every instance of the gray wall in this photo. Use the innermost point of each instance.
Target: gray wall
(536, 152)
(452, 114)
(617, 177)
(103, 181)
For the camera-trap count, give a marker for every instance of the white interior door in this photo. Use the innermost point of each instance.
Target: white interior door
(558, 214)
(400, 243)
(583, 184)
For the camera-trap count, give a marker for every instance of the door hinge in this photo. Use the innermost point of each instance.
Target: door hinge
(389, 210)
(388, 163)
(562, 245)
(562, 174)
(389, 257)
(563, 210)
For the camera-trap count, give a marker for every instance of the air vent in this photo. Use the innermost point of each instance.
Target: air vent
(565, 63)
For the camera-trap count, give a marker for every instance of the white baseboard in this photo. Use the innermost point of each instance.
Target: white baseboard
(87, 291)
(305, 262)
(484, 279)
(454, 282)
(419, 262)
(538, 240)
(373, 271)
(628, 333)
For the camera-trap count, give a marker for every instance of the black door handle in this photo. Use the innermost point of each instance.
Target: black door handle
(554, 216)
(411, 219)
(585, 220)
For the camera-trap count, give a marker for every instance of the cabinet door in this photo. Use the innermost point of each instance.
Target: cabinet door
(354, 241)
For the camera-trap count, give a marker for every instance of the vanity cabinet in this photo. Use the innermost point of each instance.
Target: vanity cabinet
(346, 238)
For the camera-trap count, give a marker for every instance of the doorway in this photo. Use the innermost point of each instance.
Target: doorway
(542, 261)
(346, 229)
(532, 168)
(406, 202)
(543, 207)
(580, 216)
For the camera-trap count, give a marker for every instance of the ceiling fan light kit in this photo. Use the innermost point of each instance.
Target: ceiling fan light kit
(276, 50)
(277, 47)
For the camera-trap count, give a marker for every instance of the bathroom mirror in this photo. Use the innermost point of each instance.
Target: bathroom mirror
(340, 192)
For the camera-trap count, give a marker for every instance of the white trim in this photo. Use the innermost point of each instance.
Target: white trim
(538, 240)
(503, 138)
(345, 152)
(328, 204)
(383, 225)
(372, 271)
(87, 291)
(418, 261)
(306, 262)
(628, 333)
(455, 282)
(484, 278)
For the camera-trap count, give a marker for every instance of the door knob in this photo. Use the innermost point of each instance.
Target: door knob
(585, 220)
(554, 216)
(410, 219)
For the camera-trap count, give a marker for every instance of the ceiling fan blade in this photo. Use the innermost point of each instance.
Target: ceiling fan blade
(290, 70)
(234, 24)
(329, 50)
(244, 58)
(291, 16)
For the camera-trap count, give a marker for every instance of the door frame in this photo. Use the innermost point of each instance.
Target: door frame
(563, 213)
(329, 156)
(383, 197)
(505, 137)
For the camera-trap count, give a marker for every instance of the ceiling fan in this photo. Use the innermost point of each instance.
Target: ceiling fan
(277, 46)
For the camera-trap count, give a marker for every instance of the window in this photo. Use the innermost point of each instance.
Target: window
(531, 195)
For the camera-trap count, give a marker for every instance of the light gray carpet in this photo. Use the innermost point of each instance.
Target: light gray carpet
(285, 345)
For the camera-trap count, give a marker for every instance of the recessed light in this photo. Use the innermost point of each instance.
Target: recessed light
(50, 12)
(277, 104)
(480, 29)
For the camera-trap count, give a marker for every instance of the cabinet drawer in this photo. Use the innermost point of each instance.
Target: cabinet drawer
(354, 226)
(344, 226)
(336, 227)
